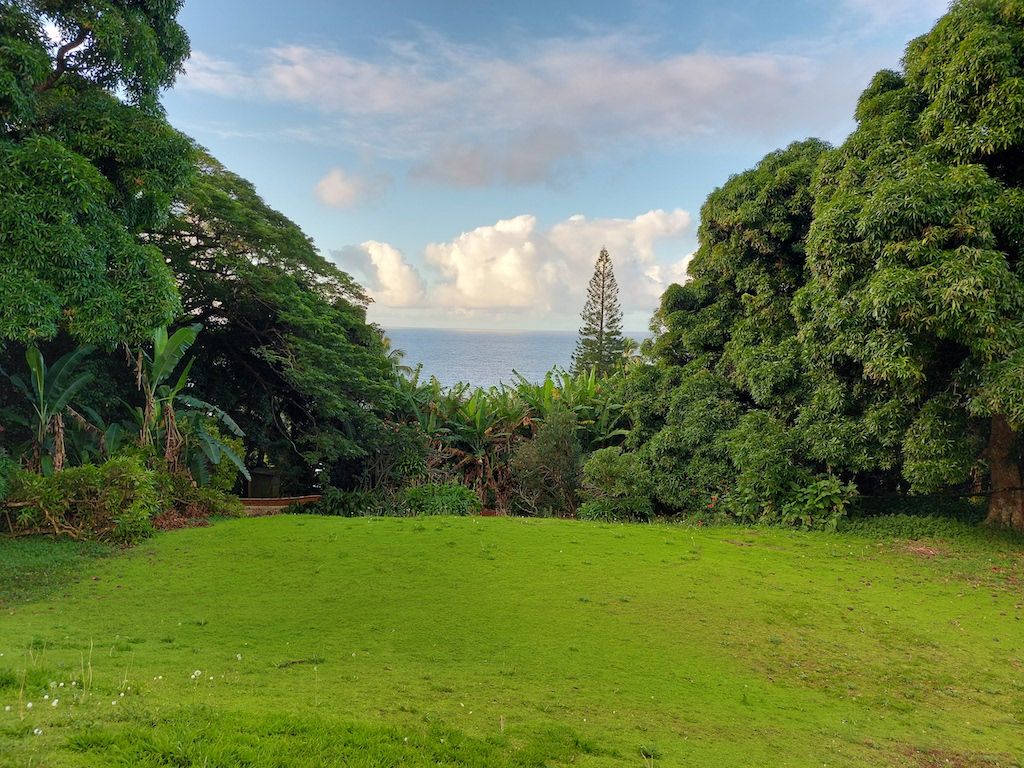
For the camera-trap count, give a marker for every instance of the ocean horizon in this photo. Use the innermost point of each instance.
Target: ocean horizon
(486, 358)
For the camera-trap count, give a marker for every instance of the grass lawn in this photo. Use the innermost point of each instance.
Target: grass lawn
(508, 642)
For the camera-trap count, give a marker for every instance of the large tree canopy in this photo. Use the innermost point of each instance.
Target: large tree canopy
(82, 172)
(730, 375)
(913, 319)
(858, 313)
(286, 350)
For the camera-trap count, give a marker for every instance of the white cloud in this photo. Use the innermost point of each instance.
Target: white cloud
(391, 280)
(471, 116)
(340, 189)
(514, 265)
(217, 76)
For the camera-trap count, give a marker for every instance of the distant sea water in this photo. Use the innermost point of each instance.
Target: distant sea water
(485, 358)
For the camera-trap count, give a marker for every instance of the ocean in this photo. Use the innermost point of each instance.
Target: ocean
(485, 358)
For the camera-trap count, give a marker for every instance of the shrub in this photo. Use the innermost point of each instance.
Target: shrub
(115, 500)
(441, 499)
(546, 467)
(337, 503)
(771, 485)
(820, 504)
(615, 487)
(6, 468)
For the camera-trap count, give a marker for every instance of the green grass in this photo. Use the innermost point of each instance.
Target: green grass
(33, 567)
(501, 642)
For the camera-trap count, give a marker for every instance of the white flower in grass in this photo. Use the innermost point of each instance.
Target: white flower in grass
(61, 685)
(37, 731)
(238, 657)
(113, 703)
(46, 695)
(74, 683)
(55, 702)
(7, 708)
(29, 705)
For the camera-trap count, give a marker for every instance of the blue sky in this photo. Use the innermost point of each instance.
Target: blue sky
(466, 161)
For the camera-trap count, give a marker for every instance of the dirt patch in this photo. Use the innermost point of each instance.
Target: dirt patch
(922, 550)
(173, 519)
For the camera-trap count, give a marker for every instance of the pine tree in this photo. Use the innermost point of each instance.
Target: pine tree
(600, 343)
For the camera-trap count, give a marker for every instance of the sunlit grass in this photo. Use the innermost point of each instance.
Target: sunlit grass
(503, 642)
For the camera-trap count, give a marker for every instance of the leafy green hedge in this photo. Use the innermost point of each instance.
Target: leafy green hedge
(117, 500)
(441, 499)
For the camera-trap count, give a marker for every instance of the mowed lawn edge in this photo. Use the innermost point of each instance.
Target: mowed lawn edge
(617, 644)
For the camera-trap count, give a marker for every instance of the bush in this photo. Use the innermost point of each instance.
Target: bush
(441, 499)
(772, 486)
(546, 467)
(121, 500)
(337, 503)
(115, 500)
(615, 487)
(6, 469)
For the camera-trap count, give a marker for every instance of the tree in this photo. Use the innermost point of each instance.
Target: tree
(728, 359)
(87, 163)
(285, 321)
(912, 320)
(600, 341)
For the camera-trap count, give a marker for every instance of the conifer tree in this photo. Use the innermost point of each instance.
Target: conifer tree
(600, 343)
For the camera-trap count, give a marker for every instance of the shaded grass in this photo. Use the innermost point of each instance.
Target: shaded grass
(35, 566)
(521, 642)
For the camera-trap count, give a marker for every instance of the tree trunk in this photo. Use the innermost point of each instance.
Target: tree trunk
(1006, 505)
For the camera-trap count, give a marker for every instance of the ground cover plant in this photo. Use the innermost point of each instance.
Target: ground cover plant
(303, 640)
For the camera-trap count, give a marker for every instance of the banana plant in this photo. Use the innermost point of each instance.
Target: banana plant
(154, 369)
(92, 438)
(49, 392)
(203, 446)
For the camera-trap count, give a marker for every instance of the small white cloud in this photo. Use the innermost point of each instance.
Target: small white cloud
(217, 76)
(339, 189)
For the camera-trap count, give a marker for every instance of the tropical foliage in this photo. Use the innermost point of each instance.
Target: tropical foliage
(478, 436)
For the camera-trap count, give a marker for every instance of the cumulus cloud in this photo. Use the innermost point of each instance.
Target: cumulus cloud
(470, 116)
(340, 189)
(390, 279)
(517, 265)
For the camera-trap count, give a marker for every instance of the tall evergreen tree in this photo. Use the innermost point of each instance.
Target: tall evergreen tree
(600, 343)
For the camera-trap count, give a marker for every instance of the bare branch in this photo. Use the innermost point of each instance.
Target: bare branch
(62, 61)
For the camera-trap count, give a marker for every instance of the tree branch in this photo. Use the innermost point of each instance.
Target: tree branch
(62, 61)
